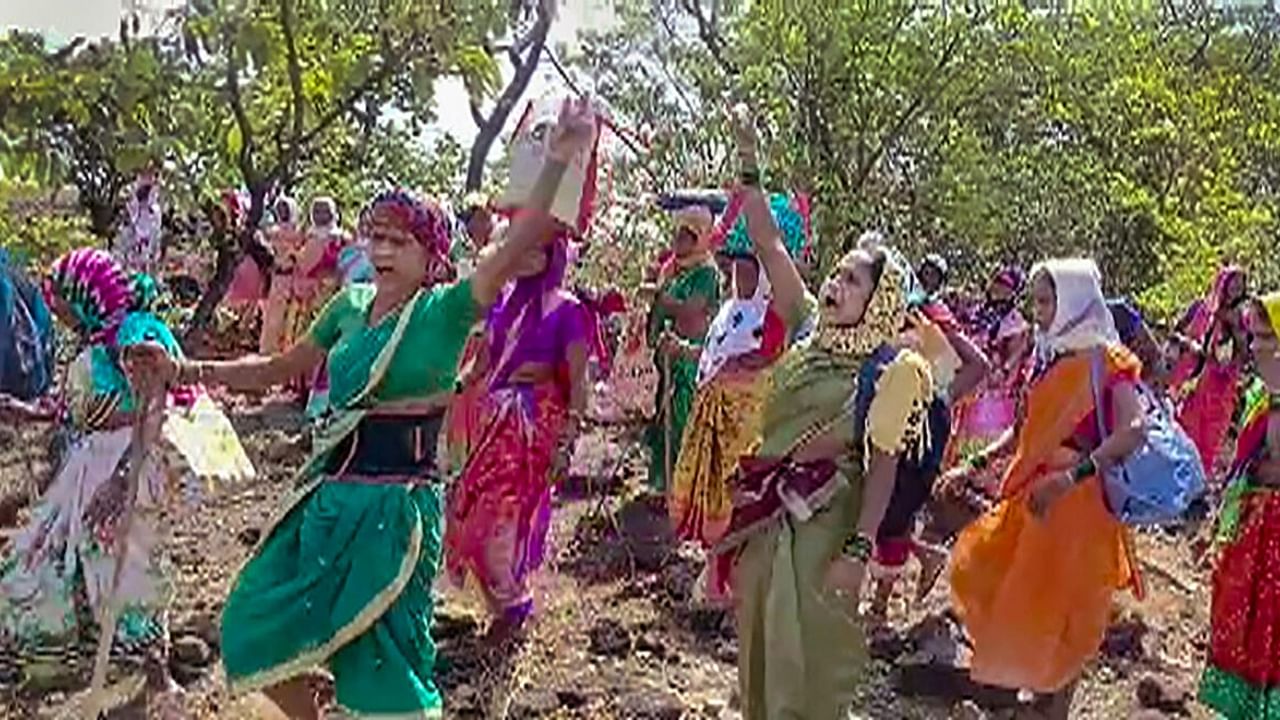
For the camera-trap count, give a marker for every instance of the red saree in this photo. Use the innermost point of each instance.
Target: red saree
(1242, 679)
(499, 509)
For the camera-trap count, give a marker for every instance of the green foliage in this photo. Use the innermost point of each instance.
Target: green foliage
(991, 133)
(37, 226)
(88, 114)
(303, 96)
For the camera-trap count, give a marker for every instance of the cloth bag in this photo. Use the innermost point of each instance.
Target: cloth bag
(574, 202)
(1157, 483)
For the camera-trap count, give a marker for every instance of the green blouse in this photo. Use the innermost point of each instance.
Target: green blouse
(425, 363)
(698, 281)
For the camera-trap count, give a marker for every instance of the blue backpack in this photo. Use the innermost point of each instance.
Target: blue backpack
(1162, 478)
(26, 336)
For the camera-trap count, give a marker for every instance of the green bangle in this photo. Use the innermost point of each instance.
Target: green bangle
(1084, 469)
(979, 461)
(858, 547)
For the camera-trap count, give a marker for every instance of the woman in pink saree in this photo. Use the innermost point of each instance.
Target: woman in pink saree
(998, 328)
(516, 434)
(302, 279)
(1212, 345)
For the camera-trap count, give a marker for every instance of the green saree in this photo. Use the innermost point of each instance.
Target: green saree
(800, 650)
(343, 579)
(703, 281)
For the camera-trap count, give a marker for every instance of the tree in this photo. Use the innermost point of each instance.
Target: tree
(530, 22)
(297, 76)
(665, 74)
(88, 113)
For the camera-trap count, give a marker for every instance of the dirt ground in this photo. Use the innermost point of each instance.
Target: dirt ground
(618, 632)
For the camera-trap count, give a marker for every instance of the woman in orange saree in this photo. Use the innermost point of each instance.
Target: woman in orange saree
(1032, 580)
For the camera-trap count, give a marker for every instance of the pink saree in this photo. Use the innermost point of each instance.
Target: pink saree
(499, 509)
(505, 434)
(1209, 386)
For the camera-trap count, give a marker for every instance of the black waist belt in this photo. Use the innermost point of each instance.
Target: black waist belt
(404, 446)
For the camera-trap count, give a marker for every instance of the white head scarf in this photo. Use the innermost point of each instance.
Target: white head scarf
(292, 206)
(736, 329)
(145, 217)
(1082, 319)
(332, 226)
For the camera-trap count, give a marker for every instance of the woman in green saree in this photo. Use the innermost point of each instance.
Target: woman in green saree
(846, 401)
(343, 579)
(688, 295)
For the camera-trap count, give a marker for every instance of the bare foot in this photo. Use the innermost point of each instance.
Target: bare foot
(506, 632)
(302, 697)
(878, 609)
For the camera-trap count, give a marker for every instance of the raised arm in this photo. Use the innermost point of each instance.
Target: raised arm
(974, 364)
(533, 224)
(784, 276)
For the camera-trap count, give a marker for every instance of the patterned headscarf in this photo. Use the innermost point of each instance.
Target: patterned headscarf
(737, 328)
(886, 312)
(696, 219)
(1271, 303)
(421, 218)
(991, 314)
(1081, 319)
(96, 290)
(699, 221)
(1202, 325)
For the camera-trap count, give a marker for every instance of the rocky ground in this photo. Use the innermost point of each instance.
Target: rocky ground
(619, 633)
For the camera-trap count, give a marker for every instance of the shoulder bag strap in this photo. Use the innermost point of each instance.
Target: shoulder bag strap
(1095, 381)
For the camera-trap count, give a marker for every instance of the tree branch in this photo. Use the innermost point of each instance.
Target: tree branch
(933, 87)
(352, 98)
(294, 64)
(510, 96)
(709, 33)
(245, 158)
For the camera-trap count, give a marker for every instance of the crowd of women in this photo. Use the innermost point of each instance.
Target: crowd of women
(811, 443)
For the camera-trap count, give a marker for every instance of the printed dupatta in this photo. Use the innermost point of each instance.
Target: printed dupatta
(771, 486)
(342, 421)
(1249, 447)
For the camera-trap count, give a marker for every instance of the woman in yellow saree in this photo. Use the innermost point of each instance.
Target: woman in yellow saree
(1032, 580)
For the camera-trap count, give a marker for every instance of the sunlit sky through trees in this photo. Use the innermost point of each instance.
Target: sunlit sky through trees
(62, 20)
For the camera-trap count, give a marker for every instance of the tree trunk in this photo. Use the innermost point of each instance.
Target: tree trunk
(102, 219)
(490, 127)
(225, 264)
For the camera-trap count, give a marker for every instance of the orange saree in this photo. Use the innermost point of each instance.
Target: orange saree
(1033, 593)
